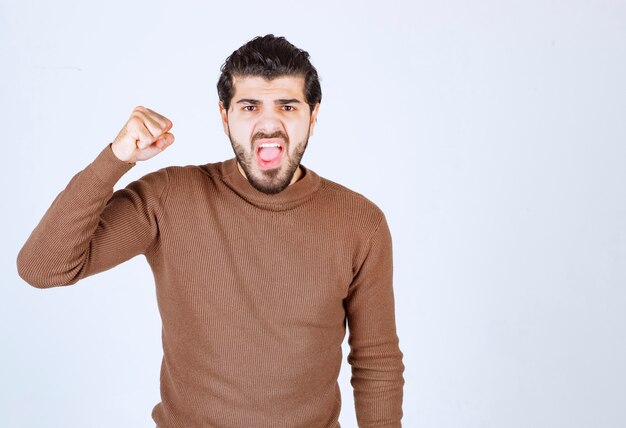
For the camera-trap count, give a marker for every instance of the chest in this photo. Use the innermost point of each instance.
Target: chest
(291, 267)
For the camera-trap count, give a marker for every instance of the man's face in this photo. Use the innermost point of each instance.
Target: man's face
(269, 124)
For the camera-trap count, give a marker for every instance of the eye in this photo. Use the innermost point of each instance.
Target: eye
(288, 108)
(249, 108)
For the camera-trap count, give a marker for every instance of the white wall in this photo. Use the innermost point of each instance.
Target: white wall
(491, 133)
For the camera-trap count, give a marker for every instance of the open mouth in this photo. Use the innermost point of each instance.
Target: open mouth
(269, 153)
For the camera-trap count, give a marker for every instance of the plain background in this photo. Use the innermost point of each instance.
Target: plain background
(491, 133)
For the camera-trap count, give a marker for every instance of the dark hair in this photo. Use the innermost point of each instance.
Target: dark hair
(269, 57)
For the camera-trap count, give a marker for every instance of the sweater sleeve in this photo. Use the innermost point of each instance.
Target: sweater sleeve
(89, 228)
(375, 356)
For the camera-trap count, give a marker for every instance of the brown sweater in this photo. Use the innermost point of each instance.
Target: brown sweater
(254, 290)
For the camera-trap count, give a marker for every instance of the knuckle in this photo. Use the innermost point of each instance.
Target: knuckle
(160, 126)
(144, 133)
(134, 122)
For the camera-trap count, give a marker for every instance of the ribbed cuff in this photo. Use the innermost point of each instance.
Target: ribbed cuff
(108, 167)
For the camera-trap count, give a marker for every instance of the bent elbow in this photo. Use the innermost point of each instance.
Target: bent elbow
(28, 274)
(33, 274)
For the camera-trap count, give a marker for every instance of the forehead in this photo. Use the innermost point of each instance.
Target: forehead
(257, 87)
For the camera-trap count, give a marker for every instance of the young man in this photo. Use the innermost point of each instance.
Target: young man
(259, 262)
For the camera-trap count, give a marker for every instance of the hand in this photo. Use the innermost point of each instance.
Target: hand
(144, 136)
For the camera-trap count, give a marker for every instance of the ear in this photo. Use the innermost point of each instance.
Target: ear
(313, 119)
(224, 115)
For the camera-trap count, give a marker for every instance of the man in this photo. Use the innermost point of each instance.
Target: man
(259, 262)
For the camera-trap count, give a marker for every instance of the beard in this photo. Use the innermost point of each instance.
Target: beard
(275, 180)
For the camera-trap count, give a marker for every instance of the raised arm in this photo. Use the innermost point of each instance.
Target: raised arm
(375, 356)
(89, 228)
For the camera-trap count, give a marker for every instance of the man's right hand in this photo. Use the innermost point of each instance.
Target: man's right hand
(144, 136)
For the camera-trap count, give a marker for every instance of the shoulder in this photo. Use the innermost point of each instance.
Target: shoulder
(213, 170)
(161, 184)
(173, 176)
(356, 221)
(152, 185)
(353, 215)
(351, 200)
(181, 182)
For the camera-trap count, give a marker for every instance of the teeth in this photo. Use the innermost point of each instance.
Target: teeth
(270, 145)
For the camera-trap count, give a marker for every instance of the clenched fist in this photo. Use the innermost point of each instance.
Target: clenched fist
(144, 136)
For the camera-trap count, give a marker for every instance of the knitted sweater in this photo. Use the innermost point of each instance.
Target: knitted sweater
(254, 290)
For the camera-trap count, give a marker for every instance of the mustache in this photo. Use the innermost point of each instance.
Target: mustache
(277, 134)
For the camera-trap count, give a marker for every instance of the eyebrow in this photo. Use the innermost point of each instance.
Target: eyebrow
(280, 101)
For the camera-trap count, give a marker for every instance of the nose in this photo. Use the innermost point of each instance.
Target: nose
(269, 122)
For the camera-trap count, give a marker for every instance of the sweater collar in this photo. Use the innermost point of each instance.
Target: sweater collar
(295, 194)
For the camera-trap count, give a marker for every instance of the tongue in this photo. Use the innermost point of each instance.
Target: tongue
(269, 153)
